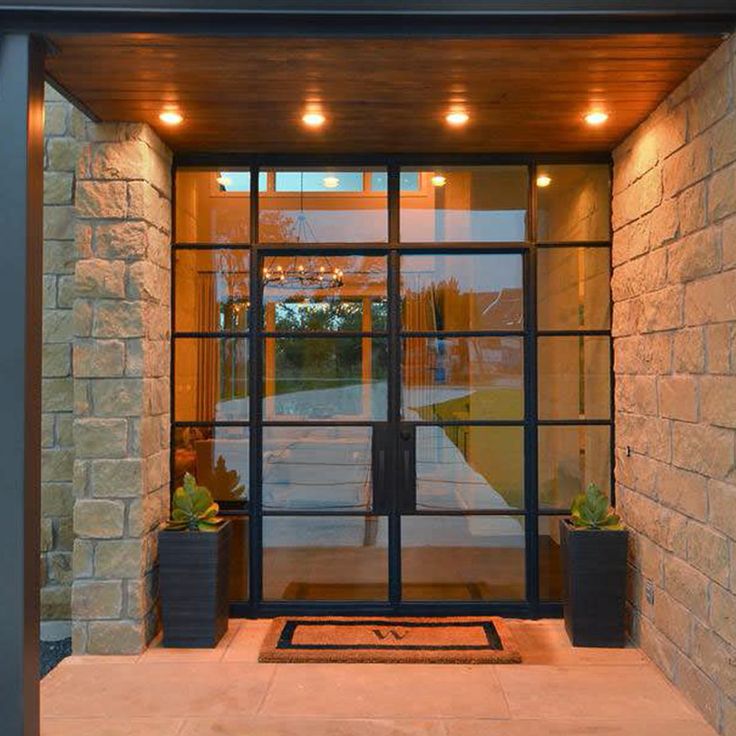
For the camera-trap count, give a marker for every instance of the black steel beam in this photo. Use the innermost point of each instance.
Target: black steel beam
(21, 200)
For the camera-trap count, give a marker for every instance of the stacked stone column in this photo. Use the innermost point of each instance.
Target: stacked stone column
(121, 385)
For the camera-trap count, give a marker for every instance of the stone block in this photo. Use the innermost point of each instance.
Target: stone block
(58, 326)
(57, 187)
(57, 394)
(121, 558)
(59, 567)
(97, 599)
(56, 464)
(59, 257)
(118, 397)
(687, 166)
(700, 689)
(678, 397)
(636, 394)
(694, 256)
(83, 558)
(122, 319)
(643, 354)
(639, 199)
(723, 613)
(98, 518)
(124, 240)
(702, 448)
(718, 347)
(55, 118)
(58, 222)
(682, 490)
(47, 535)
(126, 160)
(62, 154)
(116, 637)
(672, 619)
(102, 199)
(711, 299)
(718, 401)
(688, 351)
(100, 438)
(116, 478)
(722, 506)
(708, 551)
(57, 499)
(99, 358)
(722, 194)
(99, 278)
(686, 585)
(662, 309)
(723, 141)
(66, 292)
(692, 208)
(55, 603)
(715, 657)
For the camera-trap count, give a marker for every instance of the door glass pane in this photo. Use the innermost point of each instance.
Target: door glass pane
(310, 206)
(239, 554)
(460, 378)
(571, 457)
(575, 204)
(212, 290)
(574, 377)
(210, 379)
(298, 295)
(550, 559)
(323, 378)
(472, 558)
(317, 468)
(212, 206)
(573, 288)
(459, 292)
(217, 457)
(469, 468)
(328, 558)
(466, 204)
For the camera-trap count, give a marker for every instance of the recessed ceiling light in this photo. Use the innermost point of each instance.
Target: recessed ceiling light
(457, 118)
(313, 119)
(596, 117)
(331, 182)
(438, 180)
(171, 117)
(544, 180)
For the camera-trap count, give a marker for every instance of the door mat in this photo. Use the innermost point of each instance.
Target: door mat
(466, 640)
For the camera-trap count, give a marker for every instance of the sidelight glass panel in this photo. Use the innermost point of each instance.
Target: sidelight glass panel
(318, 206)
(218, 457)
(466, 204)
(575, 204)
(210, 379)
(324, 378)
(467, 558)
(574, 377)
(550, 559)
(571, 457)
(328, 558)
(212, 290)
(573, 288)
(469, 468)
(462, 378)
(212, 206)
(239, 555)
(317, 468)
(297, 295)
(462, 292)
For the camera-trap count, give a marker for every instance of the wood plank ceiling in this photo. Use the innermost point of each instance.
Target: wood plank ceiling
(386, 95)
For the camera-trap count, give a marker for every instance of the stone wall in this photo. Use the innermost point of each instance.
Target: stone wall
(674, 324)
(64, 127)
(121, 385)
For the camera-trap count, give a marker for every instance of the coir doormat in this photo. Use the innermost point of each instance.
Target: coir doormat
(400, 640)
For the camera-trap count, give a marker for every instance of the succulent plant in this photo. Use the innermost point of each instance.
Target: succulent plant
(193, 508)
(591, 510)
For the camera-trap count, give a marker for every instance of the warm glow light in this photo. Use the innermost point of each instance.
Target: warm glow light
(224, 181)
(313, 119)
(171, 117)
(438, 180)
(457, 118)
(544, 180)
(331, 182)
(596, 117)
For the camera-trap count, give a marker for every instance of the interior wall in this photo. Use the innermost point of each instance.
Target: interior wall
(674, 292)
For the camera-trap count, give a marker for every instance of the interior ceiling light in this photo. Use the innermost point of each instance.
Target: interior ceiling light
(596, 117)
(457, 118)
(331, 182)
(313, 119)
(438, 180)
(544, 180)
(171, 117)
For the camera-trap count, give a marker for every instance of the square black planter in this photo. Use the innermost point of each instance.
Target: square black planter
(193, 582)
(594, 597)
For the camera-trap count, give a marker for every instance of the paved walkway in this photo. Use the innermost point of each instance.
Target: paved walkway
(558, 691)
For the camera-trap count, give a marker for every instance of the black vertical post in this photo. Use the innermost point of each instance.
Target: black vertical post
(21, 211)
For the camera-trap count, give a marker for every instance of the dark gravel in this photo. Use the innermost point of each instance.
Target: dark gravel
(52, 652)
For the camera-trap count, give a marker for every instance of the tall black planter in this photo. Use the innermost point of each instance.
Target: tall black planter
(594, 564)
(193, 581)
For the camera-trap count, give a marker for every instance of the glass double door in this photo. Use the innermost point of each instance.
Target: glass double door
(390, 427)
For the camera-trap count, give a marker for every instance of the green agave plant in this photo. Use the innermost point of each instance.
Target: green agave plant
(193, 508)
(591, 510)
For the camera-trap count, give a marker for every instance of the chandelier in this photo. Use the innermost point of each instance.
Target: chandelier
(315, 272)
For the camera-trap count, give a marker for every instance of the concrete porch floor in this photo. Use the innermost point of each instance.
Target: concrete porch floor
(558, 691)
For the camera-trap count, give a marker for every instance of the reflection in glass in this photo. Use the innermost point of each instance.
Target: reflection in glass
(322, 207)
(320, 378)
(211, 379)
(475, 558)
(576, 205)
(459, 378)
(463, 291)
(325, 558)
(217, 457)
(550, 559)
(469, 204)
(571, 457)
(470, 468)
(212, 290)
(358, 305)
(573, 288)
(317, 468)
(206, 212)
(574, 377)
